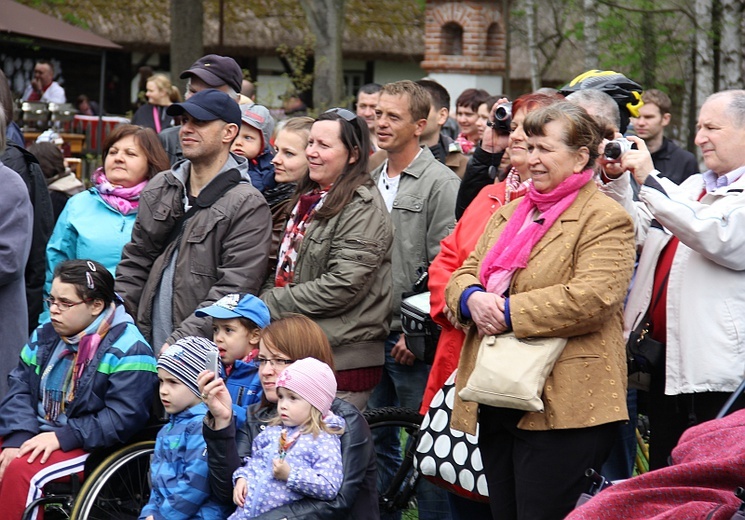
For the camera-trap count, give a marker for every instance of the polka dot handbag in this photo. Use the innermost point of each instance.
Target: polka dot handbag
(450, 458)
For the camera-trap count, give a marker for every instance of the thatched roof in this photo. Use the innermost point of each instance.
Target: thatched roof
(380, 29)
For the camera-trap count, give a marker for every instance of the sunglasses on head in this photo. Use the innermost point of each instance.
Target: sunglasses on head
(345, 114)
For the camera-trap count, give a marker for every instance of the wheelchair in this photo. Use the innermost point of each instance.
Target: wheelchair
(116, 484)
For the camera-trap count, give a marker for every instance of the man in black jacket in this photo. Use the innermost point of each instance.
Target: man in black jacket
(669, 159)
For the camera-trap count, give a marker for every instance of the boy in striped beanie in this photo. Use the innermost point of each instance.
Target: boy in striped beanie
(178, 470)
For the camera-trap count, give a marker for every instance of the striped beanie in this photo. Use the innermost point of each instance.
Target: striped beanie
(311, 379)
(186, 358)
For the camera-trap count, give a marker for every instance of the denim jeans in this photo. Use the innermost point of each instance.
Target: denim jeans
(403, 385)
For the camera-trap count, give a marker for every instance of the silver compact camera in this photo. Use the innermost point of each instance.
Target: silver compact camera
(615, 149)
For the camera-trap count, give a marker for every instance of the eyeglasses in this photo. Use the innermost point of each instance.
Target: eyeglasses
(64, 305)
(345, 114)
(275, 363)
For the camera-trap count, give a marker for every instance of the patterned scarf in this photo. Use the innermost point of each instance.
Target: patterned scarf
(60, 379)
(465, 143)
(515, 188)
(512, 250)
(124, 200)
(300, 218)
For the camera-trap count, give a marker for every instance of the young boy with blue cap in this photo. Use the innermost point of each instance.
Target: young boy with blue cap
(236, 327)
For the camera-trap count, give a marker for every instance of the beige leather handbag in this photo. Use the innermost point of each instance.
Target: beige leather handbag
(511, 372)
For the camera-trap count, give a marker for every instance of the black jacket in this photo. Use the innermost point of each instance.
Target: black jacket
(25, 164)
(673, 162)
(479, 173)
(358, 496)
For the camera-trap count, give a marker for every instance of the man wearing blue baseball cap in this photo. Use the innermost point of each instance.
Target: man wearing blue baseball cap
(202, 230)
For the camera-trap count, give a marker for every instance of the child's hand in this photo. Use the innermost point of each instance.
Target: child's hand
(281, 469)
(239, 492)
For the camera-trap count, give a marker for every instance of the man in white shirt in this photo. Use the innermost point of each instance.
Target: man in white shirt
(43, 87)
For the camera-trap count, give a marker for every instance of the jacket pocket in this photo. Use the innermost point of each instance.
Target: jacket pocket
(204, 243)
(364, 252)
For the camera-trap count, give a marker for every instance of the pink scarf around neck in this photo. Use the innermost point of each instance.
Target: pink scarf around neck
(512, 250)
(124, 200)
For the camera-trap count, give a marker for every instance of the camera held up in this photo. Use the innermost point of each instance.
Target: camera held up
(502, 118)
(615, 149)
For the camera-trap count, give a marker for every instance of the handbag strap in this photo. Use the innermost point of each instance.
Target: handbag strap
(645, 321)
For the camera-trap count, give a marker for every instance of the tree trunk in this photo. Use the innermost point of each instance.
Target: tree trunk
(530, 19)
(326, 21)
(591, 34)
(187, 44)
(730, 53)
(704, 52)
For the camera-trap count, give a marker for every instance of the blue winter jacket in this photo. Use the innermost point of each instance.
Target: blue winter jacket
(179, 472)
(245, 389)
(112, 401)
(261, 170)
(87, 228)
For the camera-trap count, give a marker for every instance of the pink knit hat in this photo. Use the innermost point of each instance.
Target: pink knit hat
(311, 379)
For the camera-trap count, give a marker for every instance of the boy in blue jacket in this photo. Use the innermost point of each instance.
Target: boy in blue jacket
(253, 143)
(236, 329)
(178, 470)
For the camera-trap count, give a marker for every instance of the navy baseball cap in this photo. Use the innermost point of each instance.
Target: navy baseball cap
(216, 71)
(233, 306)
(209, 105)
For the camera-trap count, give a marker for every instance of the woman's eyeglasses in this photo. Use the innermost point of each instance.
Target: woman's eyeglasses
(64, 305)
(275, 363)
(345, 114)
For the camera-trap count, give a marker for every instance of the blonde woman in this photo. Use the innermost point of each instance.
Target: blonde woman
(160, 94)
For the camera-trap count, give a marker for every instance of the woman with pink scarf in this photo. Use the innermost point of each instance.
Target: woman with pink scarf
(97, 223)
(555, 263)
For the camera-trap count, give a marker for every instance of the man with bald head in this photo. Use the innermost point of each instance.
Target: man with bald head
(689, 290)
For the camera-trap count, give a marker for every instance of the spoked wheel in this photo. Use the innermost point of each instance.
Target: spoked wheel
(397, 479)
(118, 488)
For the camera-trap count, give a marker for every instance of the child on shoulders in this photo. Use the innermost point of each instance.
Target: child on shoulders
(299, 454)
(253, 143)
(236, 327)
(178, 469)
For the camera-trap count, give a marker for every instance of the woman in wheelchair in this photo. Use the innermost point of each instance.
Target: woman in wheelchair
(85, 380)
(283, 342)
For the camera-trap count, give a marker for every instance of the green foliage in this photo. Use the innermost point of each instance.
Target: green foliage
(296, 59)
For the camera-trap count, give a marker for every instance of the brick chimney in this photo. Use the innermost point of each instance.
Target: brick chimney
(464, 44)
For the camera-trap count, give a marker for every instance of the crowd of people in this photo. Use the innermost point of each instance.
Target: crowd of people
(244, 281)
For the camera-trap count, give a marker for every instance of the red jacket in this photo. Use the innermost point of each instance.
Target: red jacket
(454, 249)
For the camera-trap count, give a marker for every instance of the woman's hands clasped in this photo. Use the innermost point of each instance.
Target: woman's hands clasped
(487, 312)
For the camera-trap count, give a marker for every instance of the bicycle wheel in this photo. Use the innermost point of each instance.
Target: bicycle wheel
(397, 478)
(118, 488)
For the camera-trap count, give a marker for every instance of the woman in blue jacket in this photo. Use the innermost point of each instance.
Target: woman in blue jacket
(84, 381)
(97, 223)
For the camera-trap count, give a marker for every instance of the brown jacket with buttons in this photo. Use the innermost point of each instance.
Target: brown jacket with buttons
(574, 287)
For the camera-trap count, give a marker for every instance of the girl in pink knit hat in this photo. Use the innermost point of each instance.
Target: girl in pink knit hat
(299, 453)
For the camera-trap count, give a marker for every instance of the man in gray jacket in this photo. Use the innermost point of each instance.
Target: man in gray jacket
(202, 231)
(420, 193)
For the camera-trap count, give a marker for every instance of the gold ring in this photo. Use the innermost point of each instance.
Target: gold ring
(204, 396)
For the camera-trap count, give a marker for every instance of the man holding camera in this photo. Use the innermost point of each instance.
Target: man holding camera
(689, 290)
(669, 159)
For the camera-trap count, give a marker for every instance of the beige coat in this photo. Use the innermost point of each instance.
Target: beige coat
(574, 287)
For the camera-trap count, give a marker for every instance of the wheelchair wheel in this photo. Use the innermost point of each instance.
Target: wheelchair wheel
(118, 488)
(397, 478)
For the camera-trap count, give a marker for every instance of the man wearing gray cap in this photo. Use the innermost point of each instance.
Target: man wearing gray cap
(202, 230)
(210, 71)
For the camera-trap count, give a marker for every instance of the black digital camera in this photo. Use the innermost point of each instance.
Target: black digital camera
(502, 118)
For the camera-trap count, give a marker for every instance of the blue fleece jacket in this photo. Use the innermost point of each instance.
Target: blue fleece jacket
(179, 471)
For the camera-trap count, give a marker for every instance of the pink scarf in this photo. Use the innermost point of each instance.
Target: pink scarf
(512, 250)
(124, 200)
